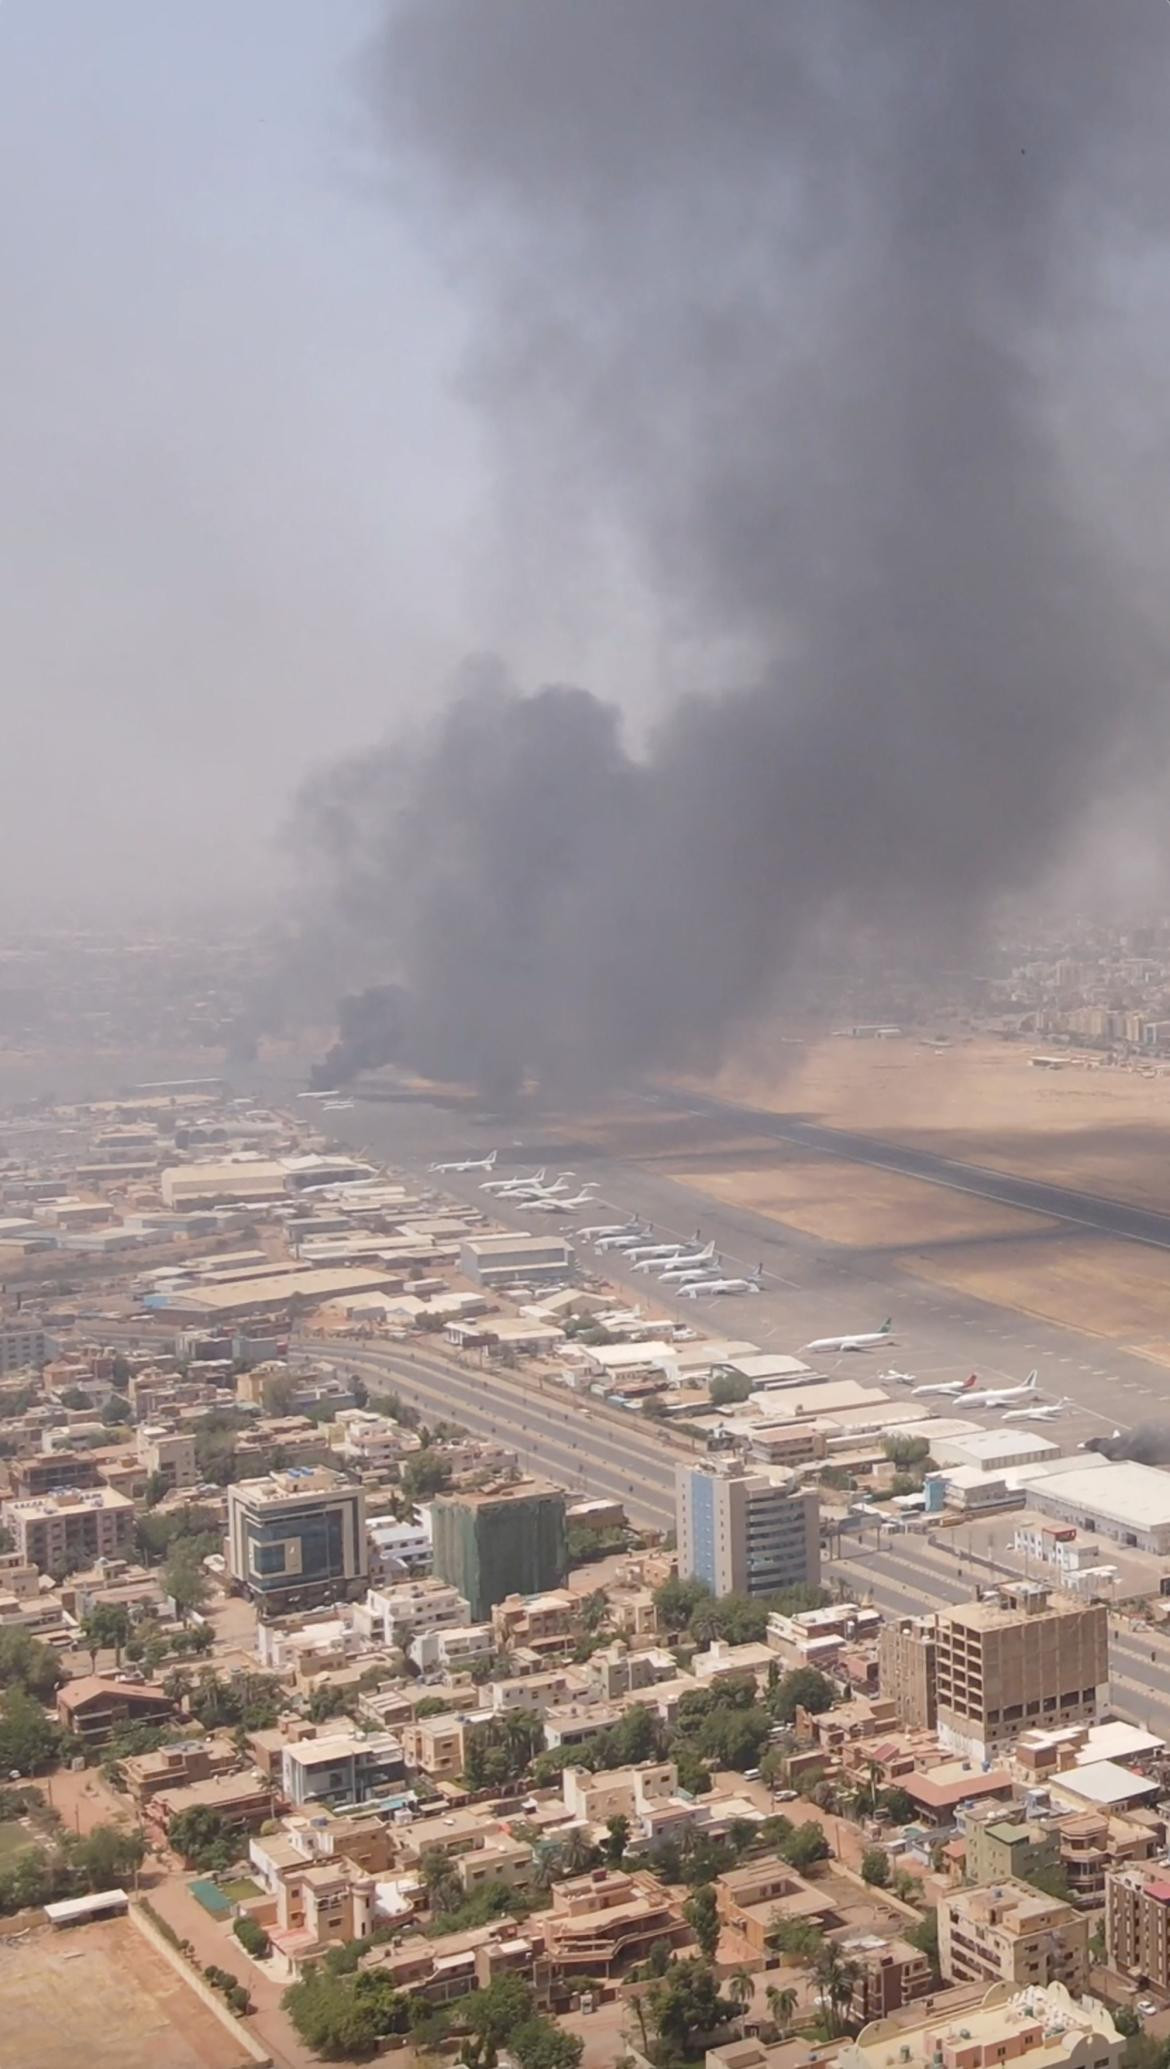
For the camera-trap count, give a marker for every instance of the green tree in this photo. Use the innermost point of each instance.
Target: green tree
(728, 1387)
(797, 1939)
(875, 1867)
(782, 2006)
(425, 1474)
(1051, 1880)
(701, 1912)
(837, 1979)
(26, 1663)
(924, 1936)
(202, 1838)
(539, 2043)
(109, 1856)
(117, 1411)
(28, 1740)
(440, 1879)
(676, 1601)
(106, 1629)
(495, 2012)
(120, 1371)
(618, 1828)
(251, 1936)
(685, 2004)
(900, 1808)
(184, 1579)
(805, 1688)
(805, 1845)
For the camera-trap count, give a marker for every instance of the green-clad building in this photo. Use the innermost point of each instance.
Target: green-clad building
(507, 1539)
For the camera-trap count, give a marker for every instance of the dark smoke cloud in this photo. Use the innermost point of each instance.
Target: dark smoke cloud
(777, 290)
(1147, 1442)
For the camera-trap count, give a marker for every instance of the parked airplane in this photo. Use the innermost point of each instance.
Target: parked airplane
(655, 1253)
(1047, 1414)
(331, 1094)
(527, 1195)
(680, 1262)
(680, 1276)
(585, 1198)
(512, 1185)
(895, 1378)
(999, 1397)
(615, 1228)
(619, 1242)
(702, 1287)
(866, 1342)
(467, 1164)
(336, 1106)
(953, 1387)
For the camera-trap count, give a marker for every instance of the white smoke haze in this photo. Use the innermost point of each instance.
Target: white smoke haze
(778, 296)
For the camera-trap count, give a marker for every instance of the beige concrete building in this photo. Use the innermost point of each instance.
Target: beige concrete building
(1137, 1924)
(297, 1538)
(170, 1453)
(71, 1527)
(907, 1670)
(1012, 1934)
(1020, 1657)
(743, 1533)
(1037, 2028)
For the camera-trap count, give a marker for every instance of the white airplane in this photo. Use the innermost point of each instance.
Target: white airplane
(951, 1387)
(896, 1378)
(467, 1164)
(679, 1262)
(682, 1273)
(615, 1228)
(585, 1198)
(512, 1185)
(701, 1287)
(1048, 1414)
(655, 1253)
(337, 1106)
(867, 1342)
(999, 1397)
(331, 1094)
(618, 1242)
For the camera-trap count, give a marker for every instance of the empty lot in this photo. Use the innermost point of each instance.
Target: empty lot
(101, 1995)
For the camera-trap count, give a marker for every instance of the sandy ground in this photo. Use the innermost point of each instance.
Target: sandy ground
(1088, 1125)
(101, 1993)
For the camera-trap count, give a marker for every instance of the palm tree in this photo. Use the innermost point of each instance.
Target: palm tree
(741, 1990)
(836, 1980)
(782, 2005)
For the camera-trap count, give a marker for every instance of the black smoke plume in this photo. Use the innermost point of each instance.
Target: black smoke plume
(371, 1030)
(1147, 1442)
(783, 295)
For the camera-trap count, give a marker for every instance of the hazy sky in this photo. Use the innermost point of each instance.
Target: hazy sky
(245, 520)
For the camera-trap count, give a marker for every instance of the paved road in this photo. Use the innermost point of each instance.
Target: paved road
(582, 1447)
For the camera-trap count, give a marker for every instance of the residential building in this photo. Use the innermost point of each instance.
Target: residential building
(1012, 1934)
(392, 1616)
(907, 1670)
(344, 1767)
(602, 1922)
(453, 1650)
(70, 1527)
(297, 1538)
(1019, 1657)
(745, 1534)
(501, 1540)
(399, 1551)
(628, 1792)
(1137, 1924)
(1001, 1848)
(437, 1746)
(51, 1470)
(549, 1622)
(176, 1767)
(95, 1706)
(1092, 1842)
(169, 1454)
(1036, 2028)
(240, 1799)
(890, 1975)
(23, 1346)
(756, 1901)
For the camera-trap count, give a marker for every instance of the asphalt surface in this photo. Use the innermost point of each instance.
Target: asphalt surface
(811, 1287)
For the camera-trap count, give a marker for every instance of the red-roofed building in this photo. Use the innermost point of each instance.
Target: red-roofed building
(941, 1789)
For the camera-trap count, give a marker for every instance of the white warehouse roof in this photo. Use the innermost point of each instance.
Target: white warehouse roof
(1133, 1495)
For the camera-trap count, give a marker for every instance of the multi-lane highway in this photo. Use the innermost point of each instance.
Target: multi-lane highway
(584, 1447)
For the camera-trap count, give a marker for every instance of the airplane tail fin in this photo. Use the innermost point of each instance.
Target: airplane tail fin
(491, 1162)
(971, 1380)
(1030, 1382)
(887, 1325)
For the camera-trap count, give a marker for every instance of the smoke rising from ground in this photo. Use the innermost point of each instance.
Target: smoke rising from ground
(778, 296)
(1147, 1442)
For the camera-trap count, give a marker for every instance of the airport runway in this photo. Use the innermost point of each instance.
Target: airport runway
(812, 1287)
(1060, 1203)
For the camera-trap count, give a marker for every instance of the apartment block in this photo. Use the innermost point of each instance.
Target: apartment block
(1035, 2028)
(1018, 1658)
(297, 1538)
(908, 1670)
(343, 1767)
(1137, 1924)
(1012, 1934)
(168, 1453)
(22, 1347)
(508, 1539)
(745, 1534)
(1001, 1848)
(70, 1527)
(395, 1615)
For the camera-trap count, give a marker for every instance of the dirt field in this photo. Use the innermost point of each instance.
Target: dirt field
(100, 1994)
(1088, 1125)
